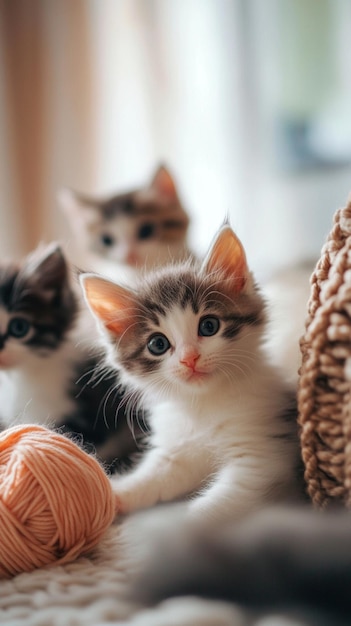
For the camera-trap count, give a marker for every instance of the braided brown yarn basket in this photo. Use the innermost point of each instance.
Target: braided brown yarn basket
(324, 400)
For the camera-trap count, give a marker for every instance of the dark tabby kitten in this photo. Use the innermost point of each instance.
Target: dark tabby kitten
(139, 229)
(49, 373)
(293, 563)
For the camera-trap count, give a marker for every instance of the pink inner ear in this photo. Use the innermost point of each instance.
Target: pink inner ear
(228, 257)
(112, 304)
(164, 183)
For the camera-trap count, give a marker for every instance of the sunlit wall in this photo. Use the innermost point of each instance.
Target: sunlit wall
(248, 102)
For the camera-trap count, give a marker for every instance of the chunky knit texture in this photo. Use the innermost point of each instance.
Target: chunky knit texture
(325, 375)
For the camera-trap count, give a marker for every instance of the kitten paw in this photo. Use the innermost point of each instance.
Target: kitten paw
(118, 505)
(122, 505)
(126, 498)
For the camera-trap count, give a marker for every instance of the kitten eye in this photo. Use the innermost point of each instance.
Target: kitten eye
(18, 327)
(146, 231)
(208, 326)
(158, 345)
(107, 240)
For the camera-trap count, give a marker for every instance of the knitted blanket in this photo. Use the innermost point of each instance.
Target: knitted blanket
(91, 590)
(95, 591)
(325, 375)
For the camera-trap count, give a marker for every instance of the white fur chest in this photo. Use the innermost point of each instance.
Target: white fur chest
(38, 392)
(232, 419)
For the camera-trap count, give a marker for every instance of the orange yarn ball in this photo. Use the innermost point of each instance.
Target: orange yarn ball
(56, 501)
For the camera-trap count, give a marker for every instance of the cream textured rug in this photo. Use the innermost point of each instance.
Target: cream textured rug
(87, 591)
(94, 591)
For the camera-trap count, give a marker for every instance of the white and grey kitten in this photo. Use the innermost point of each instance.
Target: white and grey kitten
(188, 339)
(49, 367)
(126, 232)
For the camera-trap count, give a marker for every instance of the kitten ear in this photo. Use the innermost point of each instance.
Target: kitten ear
(227, 257)
(47, 267)
(75, 204)
(68, 200)
(163, 183)
(111, 304)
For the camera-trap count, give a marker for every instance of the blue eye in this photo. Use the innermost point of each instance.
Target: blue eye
(18, 327)
(208, 326)
(158, 345)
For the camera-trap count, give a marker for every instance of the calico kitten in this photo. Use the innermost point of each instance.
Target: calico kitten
(140, 229)
(189, 341)
(48, 372)
(291, 562)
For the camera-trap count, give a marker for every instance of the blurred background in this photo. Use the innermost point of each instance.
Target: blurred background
(247, 102)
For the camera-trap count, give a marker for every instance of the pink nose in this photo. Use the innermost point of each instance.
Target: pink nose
(189, 359)
(132, 258)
